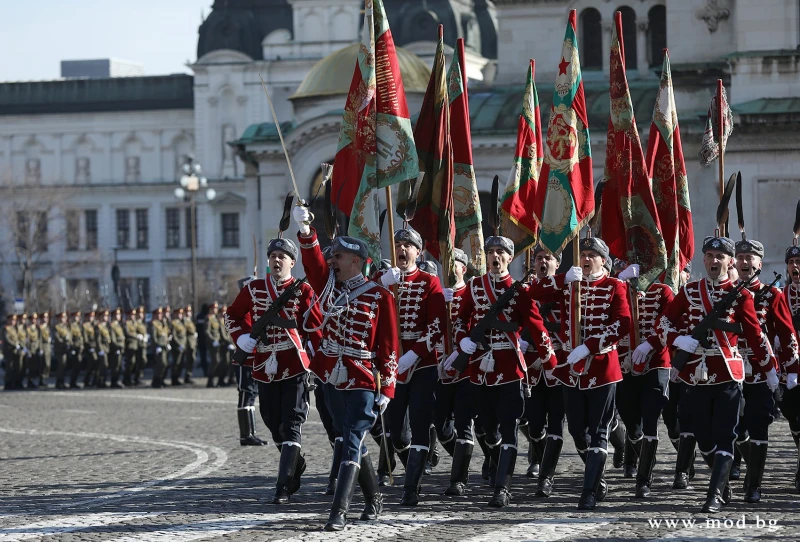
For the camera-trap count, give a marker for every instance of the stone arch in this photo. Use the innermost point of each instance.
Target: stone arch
(591, 39)
(629, 37)
(657, 34)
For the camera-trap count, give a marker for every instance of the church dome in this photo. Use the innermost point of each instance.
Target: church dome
(333, 74)
(241, 25)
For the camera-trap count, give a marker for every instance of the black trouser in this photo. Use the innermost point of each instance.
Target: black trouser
(443, 416)
(35, 366)
(417, 399)
(758, 407)
(189, 359)
(790, 407)
(715, 413)
(545, 407)
(130, 364)
(466, 409)
(640, 401)
(74, 362)
(324, 414)
(178, 354)
(115, 363)
(589, 415)
(284, 407)
(61, 359)
(46, 360)
(670, 412)
(247, 386)
(499, 408)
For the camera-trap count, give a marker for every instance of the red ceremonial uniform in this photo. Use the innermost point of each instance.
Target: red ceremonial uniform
(651, 304)
(481, 293)
(723, 360)
(791, 298)
(605, 319)
(288, 345)
(359, 330)
(551, 315)
(455, 307)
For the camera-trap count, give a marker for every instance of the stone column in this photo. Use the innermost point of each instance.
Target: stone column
(641, 50)
(608, 27)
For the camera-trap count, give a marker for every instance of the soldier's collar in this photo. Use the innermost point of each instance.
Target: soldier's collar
(595, 276)
(354, 282)
(411, 272)
(499, 276)
(722, 281)
(459, 285)
(283, 282)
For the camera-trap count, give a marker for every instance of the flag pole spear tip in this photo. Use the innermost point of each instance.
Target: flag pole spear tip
(441, 31)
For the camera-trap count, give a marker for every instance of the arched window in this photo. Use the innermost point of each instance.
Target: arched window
(591, 40)
(629, 36)
(657, 34)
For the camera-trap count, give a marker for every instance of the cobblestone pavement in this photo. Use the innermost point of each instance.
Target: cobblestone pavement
(166, 465)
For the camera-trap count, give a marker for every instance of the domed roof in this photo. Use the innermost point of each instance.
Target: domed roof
(241, 25)
(333, 74)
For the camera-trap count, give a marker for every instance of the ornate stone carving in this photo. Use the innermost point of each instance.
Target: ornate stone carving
(213, 101)
(33, 170)
(241, 100)
(132, 169)
(82, 170)
(713, 12)
(642, 27)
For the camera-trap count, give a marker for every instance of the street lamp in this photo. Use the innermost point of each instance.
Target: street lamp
(191, 182)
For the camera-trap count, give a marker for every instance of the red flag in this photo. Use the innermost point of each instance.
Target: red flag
(629, 219)
(670, 187)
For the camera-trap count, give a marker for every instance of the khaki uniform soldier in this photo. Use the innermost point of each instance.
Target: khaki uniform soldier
(76, 349)
(35, 349)
(214, 329)
(103, 341)
(63, 343)
(132, 346)
(22, 337)
(117, 347)
(160, 333)
(90, 348)
(13, 352)
(191, 344)
(178, 345)
(44, 336)
(226, 350)
(141, 353)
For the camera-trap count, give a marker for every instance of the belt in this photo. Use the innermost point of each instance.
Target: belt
(332, 349)
(605, 350)
(502, 345)
(275, 347)
(410, 335)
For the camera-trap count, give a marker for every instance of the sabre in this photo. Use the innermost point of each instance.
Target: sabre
(255, 257)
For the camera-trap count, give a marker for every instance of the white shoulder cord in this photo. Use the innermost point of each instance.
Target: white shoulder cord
(327, 304)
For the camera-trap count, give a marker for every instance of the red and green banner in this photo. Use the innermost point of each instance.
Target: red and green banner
(567, 167)
(376, 145)
(434, 217)
(523, 198)
(467, 207)
(629, 219)
(667, 170)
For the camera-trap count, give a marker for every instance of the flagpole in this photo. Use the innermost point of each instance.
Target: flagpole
(576, 305)
(720, 126)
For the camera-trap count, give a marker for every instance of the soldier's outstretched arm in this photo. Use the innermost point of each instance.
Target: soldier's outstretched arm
(313, 261)
(237, 318)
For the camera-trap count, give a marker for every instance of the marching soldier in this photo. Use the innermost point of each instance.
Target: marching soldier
(790, 403)
(160, 334)
(90, 348)
(357, 359)
(715, 374)
(62, 339)
(421, 310)
(191, 344)
(178, 345)
(497, 375)
(22, 337)
(76, 349)
(103, 342)
(13, 352)
(116, 348)
(279, 361)
(44, 338)
(592, 370)
(214, 326)
(226, 350)
(144, 340)
(35, 348)
(132, 342)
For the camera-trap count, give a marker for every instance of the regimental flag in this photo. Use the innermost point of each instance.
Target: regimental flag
(434, 217)
(376, 144)
(629, 219)
(523, 198)
(469, 234)
(670, 188)
(710, 147)
(567, 167)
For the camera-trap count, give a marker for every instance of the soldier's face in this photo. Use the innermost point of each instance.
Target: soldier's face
(118, 316)
(793, 268)
(345, 265)
(459, 269)
(716, 263)
(591, 262)
(407, 255)
(746, 265)
(280, 264)
(64, 319)
(544, 265)
(497, 260)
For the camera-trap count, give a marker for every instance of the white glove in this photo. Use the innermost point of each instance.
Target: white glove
(777, 343)
(140, 337)
(310, 349)
(448, 363)
(630, 272)
(523, 345)
(195, 335)
(231, 347)
(640, 354)
(468, 346)
(687, 343)
(580, 352)
(215, 344)
(791, 381)
(574, 274)
(302, 215)
(101, 353)
(390, 277)
(772, 380)
(246, 342)
(406, 361)
(382, 402)
(158, 349)
(448, 294)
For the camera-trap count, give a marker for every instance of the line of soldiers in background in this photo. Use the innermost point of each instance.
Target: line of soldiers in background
(112, 351)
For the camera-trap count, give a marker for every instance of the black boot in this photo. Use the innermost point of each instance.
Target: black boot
(525, 430)
(294, 484)
(684, 462)
(487, 460)
(505, 470)
(414, 469)
(552, 451)
(756, 458)
(617, 439)
(536, 451)
(368, 482)
(647, 460)
(494, 456)
(675, 443)
(632, 452)
(450, 445)
(286, 468)
(403, 455)
(433, 452)
(386, 461)
(345, 482)
(459, 473)
(592, 479)
(796, 438)
(720, 471)
(247, 427)
(736, 467)
(337, 459)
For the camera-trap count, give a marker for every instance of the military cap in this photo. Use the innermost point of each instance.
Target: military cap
(118, 311)
(133, 311)
(24, 316)
(77, 313)
(89, 313)
(595, 244)
(722, 244)
(61, 313)
(214, 305)
(35, 316)
(179, 310)
(408, 235)
(460, 256)
(189, 308)
(284, 245)
(350, 245)
(607, 265)
(792, 252)
(158, 310)
(105, 312)
(498, 241)
(11, 316)
(539, 248)
(428, 267)
(748, 246)
(46, 314)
